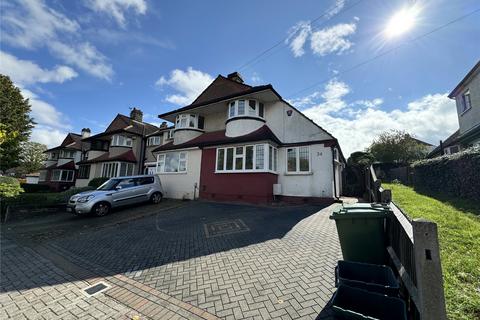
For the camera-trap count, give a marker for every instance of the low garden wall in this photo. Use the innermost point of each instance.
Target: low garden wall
(457, 175)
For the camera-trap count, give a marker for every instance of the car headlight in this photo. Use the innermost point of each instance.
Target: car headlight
(86, 198)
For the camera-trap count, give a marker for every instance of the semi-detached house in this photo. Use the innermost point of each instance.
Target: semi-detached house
(237, 142)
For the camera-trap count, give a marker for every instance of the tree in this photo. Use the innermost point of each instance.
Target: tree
(32, 156)
(397, 147)
(15, 122)
(360, 159)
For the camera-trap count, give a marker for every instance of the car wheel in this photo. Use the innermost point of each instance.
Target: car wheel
(156, 198)
(101, 209)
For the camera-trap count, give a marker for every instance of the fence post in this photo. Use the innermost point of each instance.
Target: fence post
(428, 270)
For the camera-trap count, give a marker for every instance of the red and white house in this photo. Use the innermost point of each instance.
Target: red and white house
(244, 143)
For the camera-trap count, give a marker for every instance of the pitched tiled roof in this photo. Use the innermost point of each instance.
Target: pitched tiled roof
(220, 89)
(66, 166)
(122, 123)
(448, 142)
(71, 141)
(219, 137)
(128, 156)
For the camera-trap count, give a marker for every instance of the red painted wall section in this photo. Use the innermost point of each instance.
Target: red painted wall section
(241, 187)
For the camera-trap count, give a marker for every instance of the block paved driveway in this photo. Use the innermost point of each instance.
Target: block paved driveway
(227, 261)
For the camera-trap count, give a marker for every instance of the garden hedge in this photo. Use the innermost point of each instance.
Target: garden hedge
(44, 199)
(456, 175)
(34, 188)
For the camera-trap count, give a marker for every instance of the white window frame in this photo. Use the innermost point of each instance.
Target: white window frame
(297, 160)
(114, 168)
(67, 154)
(119, 140)
(59, 179)
(466, 97)
(182, 163)
(183, 121)
(265, 163)
(170, 134)
(233, 107)
(154, 141)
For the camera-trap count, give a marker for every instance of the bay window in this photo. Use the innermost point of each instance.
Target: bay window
(117, 169)
(67, 154)
(245, 107)
(189, 121)
(121, 141)
(172, 162)
(154, 141)
(247, 158)
(298, 159)
(84, 171)
(62, 175)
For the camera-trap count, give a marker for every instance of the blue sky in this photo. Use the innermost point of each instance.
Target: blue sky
(82, 62)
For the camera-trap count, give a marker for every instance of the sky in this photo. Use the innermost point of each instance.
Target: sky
(338, 61)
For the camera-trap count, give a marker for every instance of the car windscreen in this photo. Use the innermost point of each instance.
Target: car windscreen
(109, 185)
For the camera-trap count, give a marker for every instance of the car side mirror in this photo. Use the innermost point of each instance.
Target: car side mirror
(118, 188)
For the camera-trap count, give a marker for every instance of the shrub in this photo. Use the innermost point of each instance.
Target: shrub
(45, 199)
(9, 187)
(97, 182)
(34, 188)
(456, 175)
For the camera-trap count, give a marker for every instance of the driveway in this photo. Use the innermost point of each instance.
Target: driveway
(193, 259)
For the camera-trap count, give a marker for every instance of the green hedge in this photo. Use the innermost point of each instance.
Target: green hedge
(97, 182)
(33, 188)
(44, 199)
(456, 175)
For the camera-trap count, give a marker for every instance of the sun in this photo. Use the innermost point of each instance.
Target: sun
(402, 21)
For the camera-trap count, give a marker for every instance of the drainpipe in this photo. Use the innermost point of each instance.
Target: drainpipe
(333, 171)
(143, 151)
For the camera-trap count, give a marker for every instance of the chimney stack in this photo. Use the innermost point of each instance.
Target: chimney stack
(235, 76)
(163, 125)
(85, 133)
(136, 114)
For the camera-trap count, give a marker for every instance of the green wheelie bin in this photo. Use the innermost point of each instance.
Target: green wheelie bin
(361, 231)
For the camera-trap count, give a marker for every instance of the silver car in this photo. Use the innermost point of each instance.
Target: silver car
(117, 192)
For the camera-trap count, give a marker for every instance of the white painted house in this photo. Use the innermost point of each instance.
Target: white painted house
(245, 143)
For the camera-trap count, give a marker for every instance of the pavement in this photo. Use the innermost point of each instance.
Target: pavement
(178, 260)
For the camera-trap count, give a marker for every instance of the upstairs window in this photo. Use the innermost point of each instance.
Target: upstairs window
(466, 102)
(189, 121)
(67, 154)
(154, 141)
(243, 107)
(121, 141)
(170, 134)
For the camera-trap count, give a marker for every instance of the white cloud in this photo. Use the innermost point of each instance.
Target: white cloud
(298, 35)
(333, 39)
(31, 24)
(429, 118)
(117, 8)
(51, 137)
(27, 72)
(337, 7)
(84, 56)
(189, 84)
(52, 125)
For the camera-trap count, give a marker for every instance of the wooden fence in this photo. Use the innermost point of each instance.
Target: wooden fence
(414, 252)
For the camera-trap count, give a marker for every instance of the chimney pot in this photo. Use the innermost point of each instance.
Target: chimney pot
(85, 133)
(163, 125)
(136, 114)
(235, 76)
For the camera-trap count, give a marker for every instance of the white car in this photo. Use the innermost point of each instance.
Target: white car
(117, 192)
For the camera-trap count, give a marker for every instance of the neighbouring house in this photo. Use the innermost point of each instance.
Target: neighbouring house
(237, 142)
(121, 149)
(467, 99)
(428, 147)
(32, 178)
(60, 168)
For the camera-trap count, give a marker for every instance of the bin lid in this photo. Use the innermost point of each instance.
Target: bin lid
(362, 213)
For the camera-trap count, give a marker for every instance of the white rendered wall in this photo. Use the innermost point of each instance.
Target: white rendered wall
(318, 183)
(181, 136)
(181, 185)
(240, 127)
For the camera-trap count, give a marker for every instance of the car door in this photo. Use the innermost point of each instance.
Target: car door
(144, 186)
(125, 192)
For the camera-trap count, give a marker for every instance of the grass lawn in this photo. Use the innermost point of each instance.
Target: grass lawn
(459, 235)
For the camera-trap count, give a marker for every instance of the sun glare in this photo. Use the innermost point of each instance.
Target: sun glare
(402, 21)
